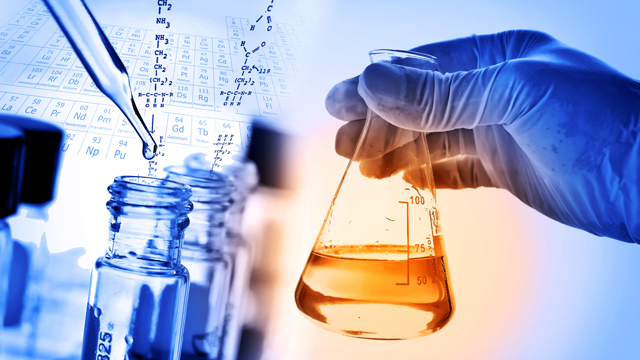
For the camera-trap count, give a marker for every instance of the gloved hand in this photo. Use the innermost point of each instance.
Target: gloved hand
(518, 110)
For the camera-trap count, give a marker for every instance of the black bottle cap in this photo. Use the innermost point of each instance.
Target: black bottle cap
(268, 149)
(41, 158)
(11, 166)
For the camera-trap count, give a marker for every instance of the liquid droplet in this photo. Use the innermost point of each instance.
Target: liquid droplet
(128, 339)
(377, 243)
(97, 312)
(148, 152)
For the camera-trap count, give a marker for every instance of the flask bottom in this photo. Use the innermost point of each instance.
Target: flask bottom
(369, 292)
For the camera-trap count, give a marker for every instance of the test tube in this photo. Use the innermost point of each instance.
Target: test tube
(103, 64)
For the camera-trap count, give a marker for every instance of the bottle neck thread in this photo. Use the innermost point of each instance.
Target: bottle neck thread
(148, 221)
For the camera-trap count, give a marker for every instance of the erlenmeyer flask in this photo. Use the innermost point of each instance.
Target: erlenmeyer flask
(378, 269)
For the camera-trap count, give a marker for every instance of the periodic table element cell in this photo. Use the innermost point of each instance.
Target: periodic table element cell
(90, 88)
(31, 9)
(77, 65)
(245, 132)
(227, 138)
(235, 47)
(122, 147)
(131, 49)
(43, 11)
(139, 86)
(72, 141)
(186, 56)
(293, 29)
(36, 22)
(64, 59)
(294, 68)
(179, 129)
(10, 73)
(171, 40)
(283, 86)
(46, 57)
(233, 22)
(74, 81)
(128, 63)
(273, 52)
(52, 79)
(147, 52)
(30, 76)
(223, 79)
(80, 116)
(124, 128)
(203, 132)
(156, 122)
(264, 85)
(7, 32)
(105, 119)
(183, 74)
(10, 103)
(34, 106)
(277, 67)
(186, 42)
(235, 34)
(203, 76)
(182, 95)
(204, 58)
(106, 29)
(222, 46)
(22, 36)
(167, 54)
(297, 40)
(95, 146)
(19, 20)
(203, 97)
(26, 54)
(136, 35)
(57, 41)
(8, 51)
(268, 105)
(118, 33)
(279, 28)
(57, 111)
(288, 53)
(142, 69)
(248, 104)
(222, 61)
(116, 44)
(204, 43)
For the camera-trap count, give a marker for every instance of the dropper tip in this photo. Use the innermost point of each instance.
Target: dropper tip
(148, 152)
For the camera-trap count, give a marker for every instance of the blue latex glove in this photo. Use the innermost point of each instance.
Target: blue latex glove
(518, 110)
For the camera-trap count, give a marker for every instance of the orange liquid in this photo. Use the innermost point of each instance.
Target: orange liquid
(362, 291)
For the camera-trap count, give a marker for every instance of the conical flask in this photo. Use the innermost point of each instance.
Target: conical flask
(378, 268)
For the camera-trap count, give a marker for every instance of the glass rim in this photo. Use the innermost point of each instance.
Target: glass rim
(405, 54)
(150, 184)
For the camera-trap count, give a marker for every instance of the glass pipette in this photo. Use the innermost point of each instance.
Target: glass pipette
(103, 64)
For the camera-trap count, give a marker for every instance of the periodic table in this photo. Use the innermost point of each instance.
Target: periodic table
(41, 77)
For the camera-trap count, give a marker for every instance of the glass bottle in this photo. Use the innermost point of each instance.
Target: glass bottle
(137, 302)
(209, 267)
(242, 178)
(378, 268)
(243, 174)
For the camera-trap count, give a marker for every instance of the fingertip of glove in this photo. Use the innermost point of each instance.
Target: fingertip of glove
(379, 81)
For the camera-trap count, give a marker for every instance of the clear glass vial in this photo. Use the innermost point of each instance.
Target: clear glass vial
(139, 288)
(209, 267)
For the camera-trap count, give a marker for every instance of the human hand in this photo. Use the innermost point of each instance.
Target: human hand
(517, 110)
